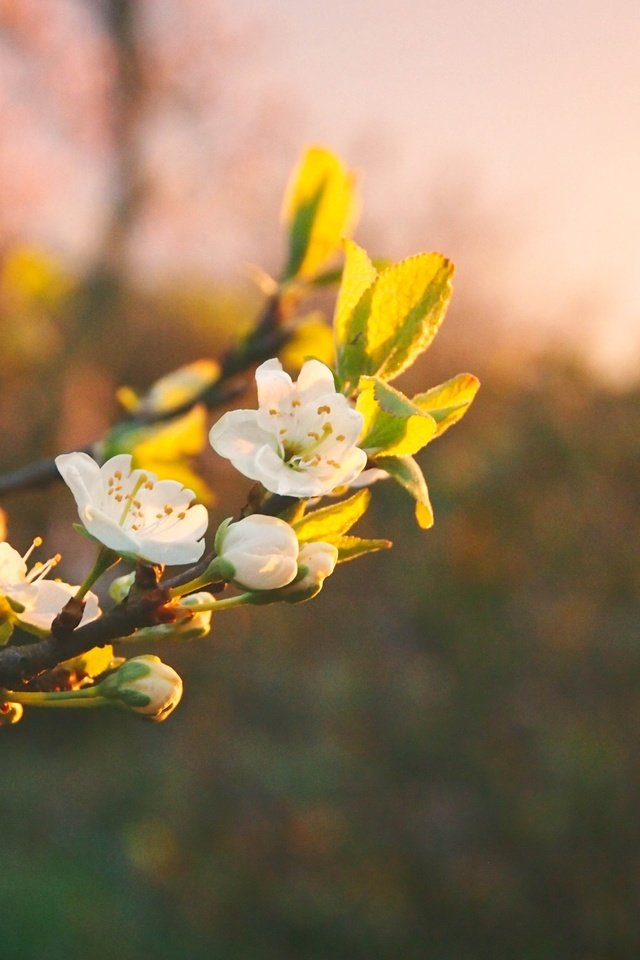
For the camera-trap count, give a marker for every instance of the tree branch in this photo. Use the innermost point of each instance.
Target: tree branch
(261, 344)
(18, 664)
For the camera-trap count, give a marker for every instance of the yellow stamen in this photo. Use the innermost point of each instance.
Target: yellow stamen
(130, 499)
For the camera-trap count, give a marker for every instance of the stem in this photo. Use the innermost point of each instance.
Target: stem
(85, 697)
(266, 339)
(106, 558)
(225, 604)
(209, 576)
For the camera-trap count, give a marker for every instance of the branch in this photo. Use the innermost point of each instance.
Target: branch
(19, 664)
(263, 342)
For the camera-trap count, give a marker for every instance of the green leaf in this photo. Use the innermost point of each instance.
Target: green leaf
(351, 547)
(395, 319)
(408, 474)
(393, 425)
(448, 402)
(300, 231)
(330, 522)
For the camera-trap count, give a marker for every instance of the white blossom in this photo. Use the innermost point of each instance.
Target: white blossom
(37, 600)
(258, 552)
(132, 512)
(300, 442)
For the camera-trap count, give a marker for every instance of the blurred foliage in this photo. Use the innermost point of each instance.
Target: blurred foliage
(440, 758)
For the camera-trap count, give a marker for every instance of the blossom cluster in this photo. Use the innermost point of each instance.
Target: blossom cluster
(301, 442)
(331, 433)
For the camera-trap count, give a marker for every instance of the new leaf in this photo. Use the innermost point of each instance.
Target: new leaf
(318, 211)
(395, 317)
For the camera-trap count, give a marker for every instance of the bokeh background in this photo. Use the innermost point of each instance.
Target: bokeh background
(438, 757)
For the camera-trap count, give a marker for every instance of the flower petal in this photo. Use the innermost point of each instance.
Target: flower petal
(273, 384)
(314, 380)
(13, 568)
(238, 437)
(81, 474)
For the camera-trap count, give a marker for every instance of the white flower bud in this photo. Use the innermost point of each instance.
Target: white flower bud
(319, 559)
(258, 553)
(145, 685)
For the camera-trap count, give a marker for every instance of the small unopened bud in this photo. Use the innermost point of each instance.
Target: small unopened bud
(120, 587)
(145, 685)
(258, 552)
(316, 561)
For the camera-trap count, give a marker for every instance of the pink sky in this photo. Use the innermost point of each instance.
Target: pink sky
(536, 104)
(505, 134)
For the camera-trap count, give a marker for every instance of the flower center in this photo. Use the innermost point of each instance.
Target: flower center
(300, 452)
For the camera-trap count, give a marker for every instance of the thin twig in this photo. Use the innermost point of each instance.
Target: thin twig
(263, 342)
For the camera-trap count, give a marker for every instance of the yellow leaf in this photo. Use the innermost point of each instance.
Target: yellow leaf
(333, 521)
(358, 274)
(319, 210)
(311, 338)
(180, 386)
(448, 402)
(184, 436)
(407, 307)
(398, 429)
(29, 274)
(424, 515)
(162, 449)
(91, 663)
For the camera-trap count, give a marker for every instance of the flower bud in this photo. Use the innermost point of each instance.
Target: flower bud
(145, 685)
(258, 553)
(316, 561)
(120, 587)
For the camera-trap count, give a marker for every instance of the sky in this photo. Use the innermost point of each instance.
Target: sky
(535, 105)
(504, 134)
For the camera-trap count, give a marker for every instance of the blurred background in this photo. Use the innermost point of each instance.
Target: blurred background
(439, 757)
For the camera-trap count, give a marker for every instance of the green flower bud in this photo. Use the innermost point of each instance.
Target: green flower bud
(145, 685)
(120, 587)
